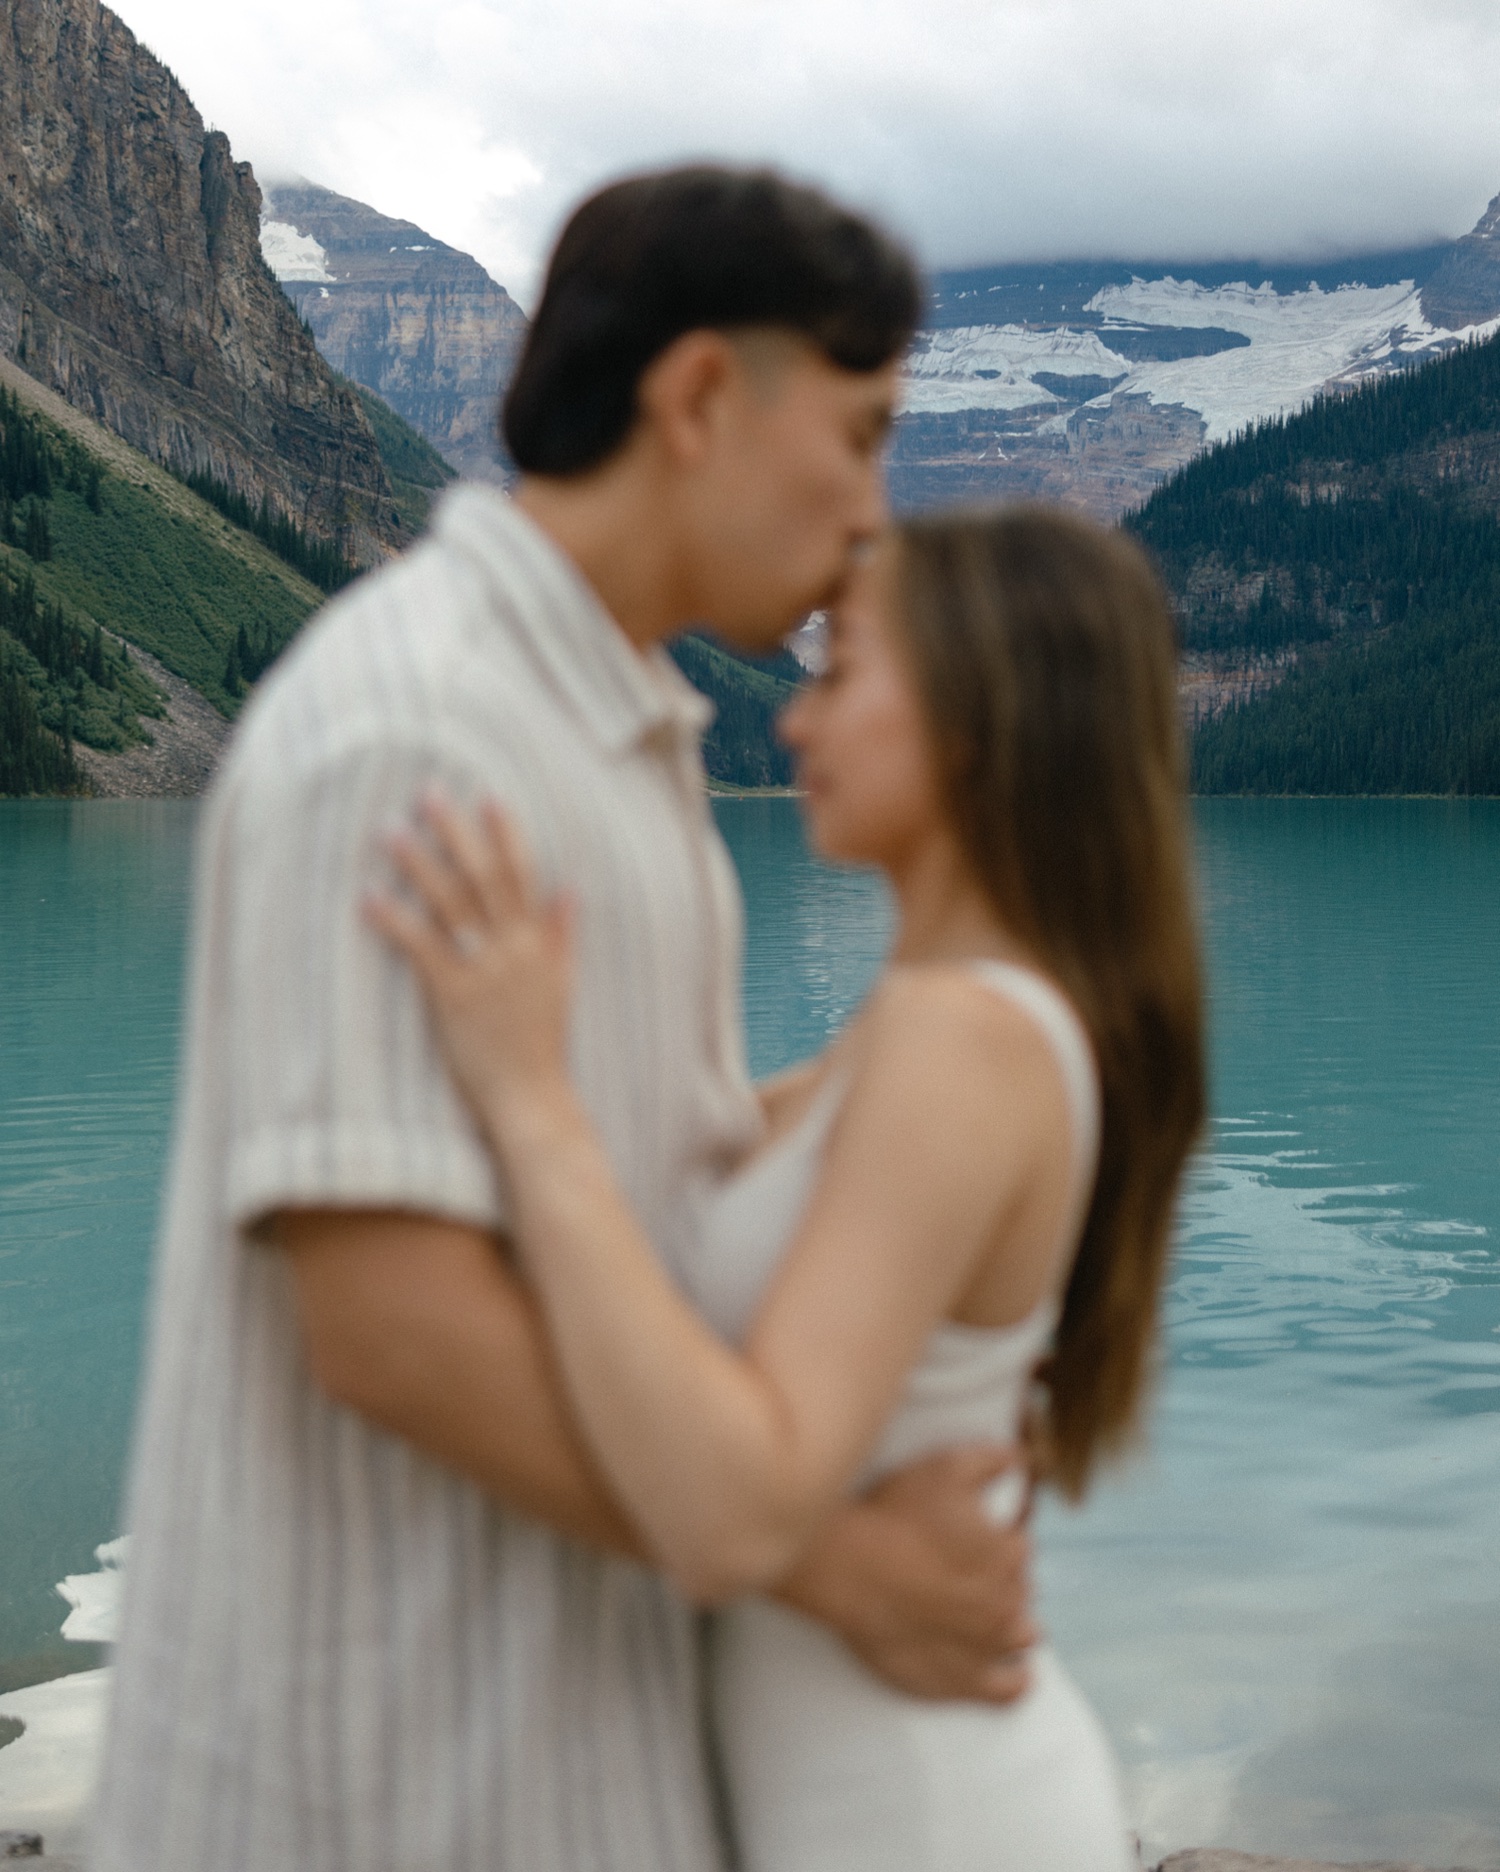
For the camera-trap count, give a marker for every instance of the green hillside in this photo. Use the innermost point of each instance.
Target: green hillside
(740, 748)
(101, 550)
(414, 468)
(1356, 546)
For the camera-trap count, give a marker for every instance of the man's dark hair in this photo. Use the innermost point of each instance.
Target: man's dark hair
(655, 256)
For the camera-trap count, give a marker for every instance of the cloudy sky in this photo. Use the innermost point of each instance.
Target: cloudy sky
(983, 129)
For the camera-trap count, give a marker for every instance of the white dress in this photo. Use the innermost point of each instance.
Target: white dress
(826, 1768)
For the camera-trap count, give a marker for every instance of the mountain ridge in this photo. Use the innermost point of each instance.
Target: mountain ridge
(420, 323)
(131, 280)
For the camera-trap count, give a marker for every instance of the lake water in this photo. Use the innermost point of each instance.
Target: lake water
(1288, 1610)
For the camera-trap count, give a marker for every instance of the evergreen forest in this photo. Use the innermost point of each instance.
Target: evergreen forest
(740, 748)
(94, 560)
(1348, 559)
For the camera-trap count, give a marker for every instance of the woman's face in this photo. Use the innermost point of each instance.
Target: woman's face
(859, 735)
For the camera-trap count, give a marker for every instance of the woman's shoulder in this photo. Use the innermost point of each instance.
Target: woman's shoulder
(942, 1034)
(993, 1003)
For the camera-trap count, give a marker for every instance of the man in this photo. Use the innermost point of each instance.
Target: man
(381, 1612)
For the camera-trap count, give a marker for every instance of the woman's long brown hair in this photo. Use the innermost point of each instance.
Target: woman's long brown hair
(1045, 655)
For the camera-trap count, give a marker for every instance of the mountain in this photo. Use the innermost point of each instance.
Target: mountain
(132, 283)
(1465, 289)
(741, 748)
(1337, 578)
(1089, 383)
(416, 471)
(133, 613)
(418, 322)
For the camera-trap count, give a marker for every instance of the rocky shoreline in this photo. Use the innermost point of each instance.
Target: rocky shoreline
(183, 752)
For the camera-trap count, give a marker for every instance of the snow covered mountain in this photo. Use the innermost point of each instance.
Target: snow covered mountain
(1124, 374)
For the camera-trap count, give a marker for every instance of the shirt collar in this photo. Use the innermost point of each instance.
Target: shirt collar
(622, 696)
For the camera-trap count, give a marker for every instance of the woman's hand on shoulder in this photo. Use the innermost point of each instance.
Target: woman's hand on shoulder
(492, 955)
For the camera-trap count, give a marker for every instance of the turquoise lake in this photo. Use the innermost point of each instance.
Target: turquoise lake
(1288, 1608)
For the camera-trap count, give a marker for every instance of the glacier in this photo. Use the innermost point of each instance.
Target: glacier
(294, 256)
(1299, 344)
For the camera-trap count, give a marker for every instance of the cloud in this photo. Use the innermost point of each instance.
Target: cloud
(982, 129)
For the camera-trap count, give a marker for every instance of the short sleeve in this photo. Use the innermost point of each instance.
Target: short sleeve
(336, 1094)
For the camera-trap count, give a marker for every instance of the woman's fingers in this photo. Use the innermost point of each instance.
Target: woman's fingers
(473, 875)
(509, 855)
(561, 916)
(464, 845)
(442, 890)
(488, 853)
(414, 936)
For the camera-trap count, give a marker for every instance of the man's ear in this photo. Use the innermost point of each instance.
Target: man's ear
(684, 393)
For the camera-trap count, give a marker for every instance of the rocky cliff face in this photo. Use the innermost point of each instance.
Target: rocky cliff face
(1465, 290)
(131, 279)
(1102, 458)
(416, 321)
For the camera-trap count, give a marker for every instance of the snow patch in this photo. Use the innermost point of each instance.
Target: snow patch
(293, 256)
(991, 367)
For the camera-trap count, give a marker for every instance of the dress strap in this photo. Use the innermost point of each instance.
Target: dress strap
(1052, 1011)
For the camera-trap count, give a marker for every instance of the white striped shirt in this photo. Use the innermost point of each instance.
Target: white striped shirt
(337, 1656)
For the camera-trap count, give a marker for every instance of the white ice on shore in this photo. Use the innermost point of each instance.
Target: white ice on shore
(294, 256)
(47, 1774)
(95, 1597)
(1300, 343)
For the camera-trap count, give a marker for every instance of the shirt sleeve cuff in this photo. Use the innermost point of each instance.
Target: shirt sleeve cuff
(363, 1167)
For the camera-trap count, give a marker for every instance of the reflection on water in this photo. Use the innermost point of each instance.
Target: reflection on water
(814, 937)
(1287, 1609)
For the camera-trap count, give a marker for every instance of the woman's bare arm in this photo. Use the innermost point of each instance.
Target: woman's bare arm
(727, 1461)
(423, 1328)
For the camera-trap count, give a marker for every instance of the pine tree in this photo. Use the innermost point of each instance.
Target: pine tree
(37, 540)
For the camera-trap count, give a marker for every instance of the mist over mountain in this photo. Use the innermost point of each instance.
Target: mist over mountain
(131, 281)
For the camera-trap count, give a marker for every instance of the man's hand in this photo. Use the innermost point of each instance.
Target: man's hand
(925, 1589)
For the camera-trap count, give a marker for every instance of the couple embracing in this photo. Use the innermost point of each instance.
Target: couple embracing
(502, 1325)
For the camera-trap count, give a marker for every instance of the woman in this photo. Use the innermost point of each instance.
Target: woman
(979, 1172)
